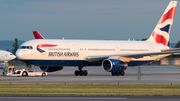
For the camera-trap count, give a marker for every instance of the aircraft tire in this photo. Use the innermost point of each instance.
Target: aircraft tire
(76, 73)
(81, 73)
(118, 73)
(85, 72)
(113, 73)
(122, 73)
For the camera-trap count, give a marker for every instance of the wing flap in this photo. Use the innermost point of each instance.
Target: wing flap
(172, 49)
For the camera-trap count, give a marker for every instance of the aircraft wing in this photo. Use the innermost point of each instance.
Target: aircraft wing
(129, 57)
(172, 49)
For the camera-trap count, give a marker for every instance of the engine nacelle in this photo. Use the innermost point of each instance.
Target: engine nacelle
(114, 65)
(50, 68)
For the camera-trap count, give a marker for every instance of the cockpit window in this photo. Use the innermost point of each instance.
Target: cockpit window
(23, 47)
(26, 47)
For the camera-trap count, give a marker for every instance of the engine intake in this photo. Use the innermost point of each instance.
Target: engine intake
(113, 65)
(50, 68)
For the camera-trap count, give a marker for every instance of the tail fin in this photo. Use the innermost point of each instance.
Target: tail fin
(37, 35)
(162, 30)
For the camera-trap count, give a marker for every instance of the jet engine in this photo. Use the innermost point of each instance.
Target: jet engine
(114, 65)
(50, 68)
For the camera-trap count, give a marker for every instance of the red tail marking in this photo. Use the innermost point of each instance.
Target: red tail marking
(168, 15)
(37, 35)
(159, 38)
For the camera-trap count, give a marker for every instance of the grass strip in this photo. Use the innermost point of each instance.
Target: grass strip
(88, 89)
(5, 79)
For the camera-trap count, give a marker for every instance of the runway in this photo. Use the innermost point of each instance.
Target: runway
(149, 74)
(90, 98)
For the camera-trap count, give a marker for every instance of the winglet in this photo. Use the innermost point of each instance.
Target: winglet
(37, 35)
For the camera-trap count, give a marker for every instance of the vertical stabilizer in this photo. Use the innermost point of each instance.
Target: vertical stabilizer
(162, 30)
(37, 35)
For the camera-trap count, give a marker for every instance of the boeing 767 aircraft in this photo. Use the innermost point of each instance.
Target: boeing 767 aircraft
(114, 56)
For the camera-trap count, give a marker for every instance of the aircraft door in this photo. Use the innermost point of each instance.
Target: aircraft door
(75, 51)
(75, 48)
(30, 50)
(118, 50)
(151, 49)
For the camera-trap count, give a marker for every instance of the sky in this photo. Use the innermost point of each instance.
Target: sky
(83, 19)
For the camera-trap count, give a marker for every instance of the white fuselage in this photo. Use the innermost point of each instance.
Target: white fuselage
(72, 52)
(6, 56)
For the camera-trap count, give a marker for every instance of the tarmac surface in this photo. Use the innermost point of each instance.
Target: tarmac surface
(149, 74)
(90, 98)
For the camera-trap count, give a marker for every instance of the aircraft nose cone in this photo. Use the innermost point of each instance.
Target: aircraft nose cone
(13, 57)
(19, 54)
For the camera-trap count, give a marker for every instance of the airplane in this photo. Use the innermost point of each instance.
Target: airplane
(5, 56)
(113, 55)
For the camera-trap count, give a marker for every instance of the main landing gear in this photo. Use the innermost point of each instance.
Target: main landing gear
(81, 72)
(121, 73)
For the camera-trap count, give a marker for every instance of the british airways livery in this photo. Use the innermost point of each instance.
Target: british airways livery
(44, 45)
(114, 56)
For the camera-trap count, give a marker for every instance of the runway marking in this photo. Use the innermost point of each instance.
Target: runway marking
(70, 98)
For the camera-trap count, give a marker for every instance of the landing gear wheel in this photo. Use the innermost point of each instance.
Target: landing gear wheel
(24, 74)
(81, 73)
(113, 73)
(122, 73)
(85, 72)
(76, 73)
(118, 73)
